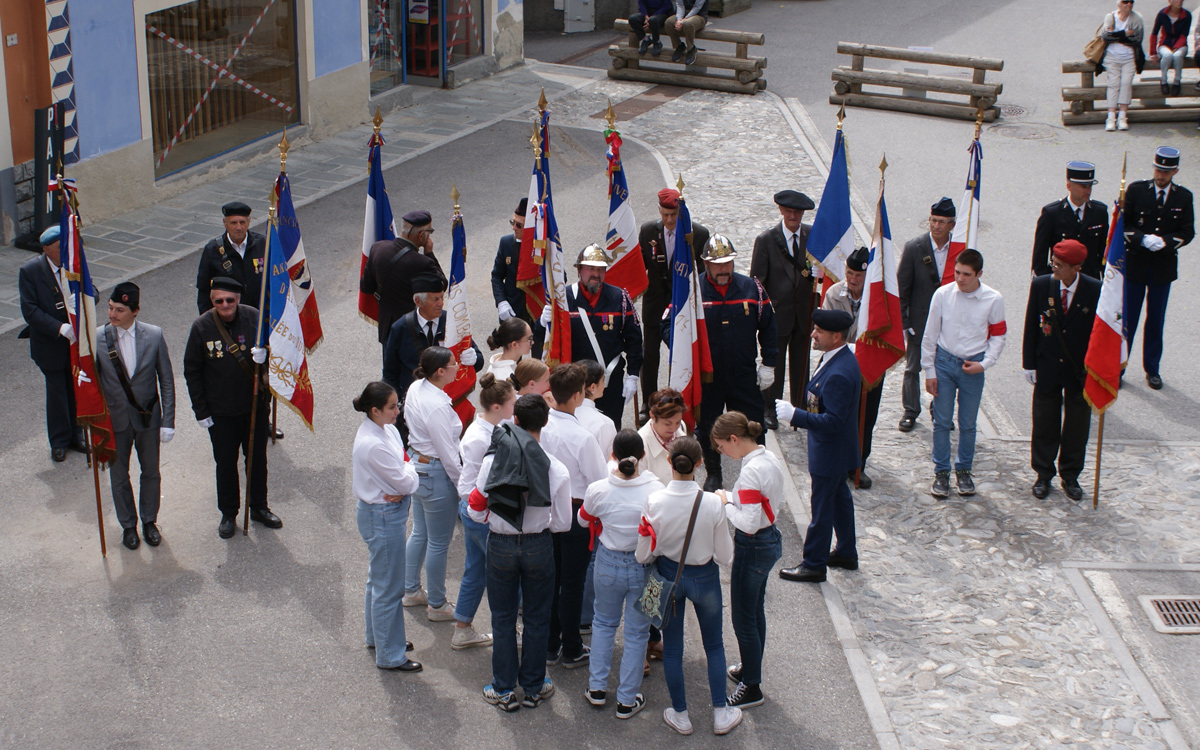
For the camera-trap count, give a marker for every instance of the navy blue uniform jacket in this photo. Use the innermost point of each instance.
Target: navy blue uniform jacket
(832, 416)
(44, 310)
(402, 352)
(734, 320)
(504, 277)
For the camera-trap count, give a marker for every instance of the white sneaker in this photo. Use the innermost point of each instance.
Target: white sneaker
(1122, 122)
(415, 600)
(679, 721)
(468, 638)
(725, 719)
(1110, 124)
(444, 613)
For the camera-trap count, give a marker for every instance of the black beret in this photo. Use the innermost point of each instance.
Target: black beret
(794, 199)
(418, 218)
(236, 208)
(227, 284)
(428, 282)
(126, 293)
(834, 321)
(522, 207)
(858, 259)
(944, 207)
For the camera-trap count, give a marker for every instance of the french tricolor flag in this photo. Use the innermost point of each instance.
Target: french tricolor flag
(458, 323)
(691, 363)
(966, 233)
(377, 225)
(831, 240)
(627, 269)
(1108, 349)
(880, 333)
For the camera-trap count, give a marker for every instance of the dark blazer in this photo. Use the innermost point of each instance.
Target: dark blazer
(153, 381)
(658, 271)
(44, 310)
(1058, 222)
(831, 417)
(402, 352)
(789, 283)
(1042, 348)
(1174, 222)
(217, 384)
(391, 282)
(504, 277)
(918, 279)
(220, 259)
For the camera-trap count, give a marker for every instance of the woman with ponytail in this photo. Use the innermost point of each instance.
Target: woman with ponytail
(532, 376)
(757, 545)
(612, 510)
(662, 535)
(514, 338)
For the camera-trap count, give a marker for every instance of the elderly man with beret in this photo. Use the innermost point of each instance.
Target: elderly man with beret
(237, 254)
(392, 265)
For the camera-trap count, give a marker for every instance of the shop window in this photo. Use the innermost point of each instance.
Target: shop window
(386, 33)
(464, 29)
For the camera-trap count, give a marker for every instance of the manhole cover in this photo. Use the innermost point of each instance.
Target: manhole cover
(1025, 132)
(1173, 614)
(1012, 110)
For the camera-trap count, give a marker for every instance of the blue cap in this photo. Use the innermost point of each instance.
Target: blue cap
(51, 235)
(1166, 158)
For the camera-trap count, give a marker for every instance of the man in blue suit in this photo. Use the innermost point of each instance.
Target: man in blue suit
(831, 418)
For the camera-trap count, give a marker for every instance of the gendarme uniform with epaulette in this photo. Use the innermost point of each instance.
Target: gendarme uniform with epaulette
(220, 258)
(1062, 221)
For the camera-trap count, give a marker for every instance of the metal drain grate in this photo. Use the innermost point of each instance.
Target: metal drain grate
(1178, 615)
(1011, 110)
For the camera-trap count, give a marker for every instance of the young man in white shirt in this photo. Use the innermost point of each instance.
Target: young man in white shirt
(964, 336)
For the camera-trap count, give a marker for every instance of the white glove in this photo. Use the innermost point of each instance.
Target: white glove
(784, 411)
(547, 313)
(1153, 242)
(505, 311)
(165, 434)
(258, 354)
(467, 358)
(206, 423)
(1031, 377)
(67, 332)
(629, 390)
(766, 377)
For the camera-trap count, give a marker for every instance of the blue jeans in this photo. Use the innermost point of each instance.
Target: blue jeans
(474, 580)
(952, 382)
(1155, 296)
(435, 509)
(520, 573)
(619, 581)
(702, 585)
(382, 527)
(588, 610)
(753, 558)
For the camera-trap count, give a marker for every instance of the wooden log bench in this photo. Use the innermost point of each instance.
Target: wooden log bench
(981, 94)
(1149, 103)
(737, 72)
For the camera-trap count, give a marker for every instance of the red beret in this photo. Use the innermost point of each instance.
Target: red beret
(668, 198)
(1071, 252)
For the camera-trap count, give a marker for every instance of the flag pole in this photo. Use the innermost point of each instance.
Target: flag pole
(1100, 432)
(258, 367)
(96, 482)
(283, 152)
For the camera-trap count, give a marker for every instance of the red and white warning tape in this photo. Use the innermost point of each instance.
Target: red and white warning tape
(384, 29)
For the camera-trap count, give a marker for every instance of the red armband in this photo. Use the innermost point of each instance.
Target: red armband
(594, 526)
(645, 529)
(754, 497)
(997, 329)
(477, 501)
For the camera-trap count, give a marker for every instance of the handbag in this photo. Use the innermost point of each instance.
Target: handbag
(1093, 51)
(657, 601)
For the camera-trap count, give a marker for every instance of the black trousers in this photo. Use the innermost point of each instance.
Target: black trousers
(718, 397)
(1062, 420)
(795, 346)
(229, 435)
(873, 397)
(656, 24)
(60, 408)
(571, 558)
(652, 346)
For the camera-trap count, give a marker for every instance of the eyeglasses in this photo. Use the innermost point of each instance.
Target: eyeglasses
(225, 301)
(528, 338)
(670, 400)
(516, 224)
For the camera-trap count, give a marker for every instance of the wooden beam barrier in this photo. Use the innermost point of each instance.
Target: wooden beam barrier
(735, 72)
(1149, 103)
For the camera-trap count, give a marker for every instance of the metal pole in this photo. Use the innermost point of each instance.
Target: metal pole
(862, 424)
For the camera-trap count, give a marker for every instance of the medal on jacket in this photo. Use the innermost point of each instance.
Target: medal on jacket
(1047, 329)
(813, 405)
(210, 349)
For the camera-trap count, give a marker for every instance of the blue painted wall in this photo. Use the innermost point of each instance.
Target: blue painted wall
(337, 34)
(106, 78)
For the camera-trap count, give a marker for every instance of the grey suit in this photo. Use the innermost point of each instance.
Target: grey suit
(153, 386)
(918, 279)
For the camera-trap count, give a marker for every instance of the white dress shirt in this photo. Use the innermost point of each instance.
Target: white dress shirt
(379, 465)
(788, 236)
(501, 368)
(665, 519)
(657, 460)
(939, 255)
(241, 249)
(471, 449)
(617, 502)
(964, 325)
(597, 423)
(433, 427)
(557, 517)
(1069, 291)
(759, 486)
(424, 324)
(567, 440)
(127, 347)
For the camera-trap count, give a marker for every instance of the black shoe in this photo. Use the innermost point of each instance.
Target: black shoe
(1041, 488)
(802, 574)
(58, 455)
(966, 485)
(278, 434)
(845, 563)
(770, 421)
(408, 666)
(574, 662)
(150, 531)
(656, 50)
(596, 697)
(1176, 89)
(941, 484)
(79, 446)
(1072, 488)
(408, 646)
(1166, 89)
(130, 538)
(907, 424)
(266, 518)
(745, 696)
(644, 45)
(227, 526)
(713, 483)
(643, 418)
(1154, 381)
(735, 673)
(585, 628)
(864, 481)
(691, 56)
(626, 712)
(679, 52)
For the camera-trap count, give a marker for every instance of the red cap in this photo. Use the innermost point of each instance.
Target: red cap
(1071, 252)
(668, 198)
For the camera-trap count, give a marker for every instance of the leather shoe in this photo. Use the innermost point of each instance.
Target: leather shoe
(266, 518)
(712, 483)
(1165, 88)
(1072, 488)
(227, 526)
(1041, 488)
(1176, 89)
(150, 532)
(80, 446)
(278, 434)
(1155, 382)
(130, 538)
(58, 455)
(845, 563)
(408, 646)
(770, 421)
(408, 666)
(907, 424)
(802, 574)
(864, 481)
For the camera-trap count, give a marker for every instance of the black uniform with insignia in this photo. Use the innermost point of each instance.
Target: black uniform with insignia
(1059, 222)
(220, 258)
(618, 331)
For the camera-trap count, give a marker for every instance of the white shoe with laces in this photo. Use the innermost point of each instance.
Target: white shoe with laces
(444, 613)
(468, 638)
(1122, 121)
(1110, 124)
(725, 719)
(679, 721)
(415, 600)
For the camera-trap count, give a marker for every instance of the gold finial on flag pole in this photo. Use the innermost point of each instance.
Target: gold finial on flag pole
(542, 101)
(611, 117)
(883, 165)
(536, 140)
(1124, 162)
(377, 120)
(841, 114)
(978, 120)
(454, 196)
(283, 151)
(679, 184)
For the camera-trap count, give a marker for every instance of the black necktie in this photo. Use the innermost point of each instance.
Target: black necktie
(1079, 214)
(431, 334)
(796, 246)
(1162, 198)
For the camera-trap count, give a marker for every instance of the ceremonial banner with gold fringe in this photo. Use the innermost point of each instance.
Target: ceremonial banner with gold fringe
(1108, 348)
(880, 333)
(532, 255)
(627, 268)
(287, 366)
(966, 228)
(458, 320)
(691, 362)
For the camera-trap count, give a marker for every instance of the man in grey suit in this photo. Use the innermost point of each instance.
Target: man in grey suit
(139, 386)
(922, 268)
(780, 263)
